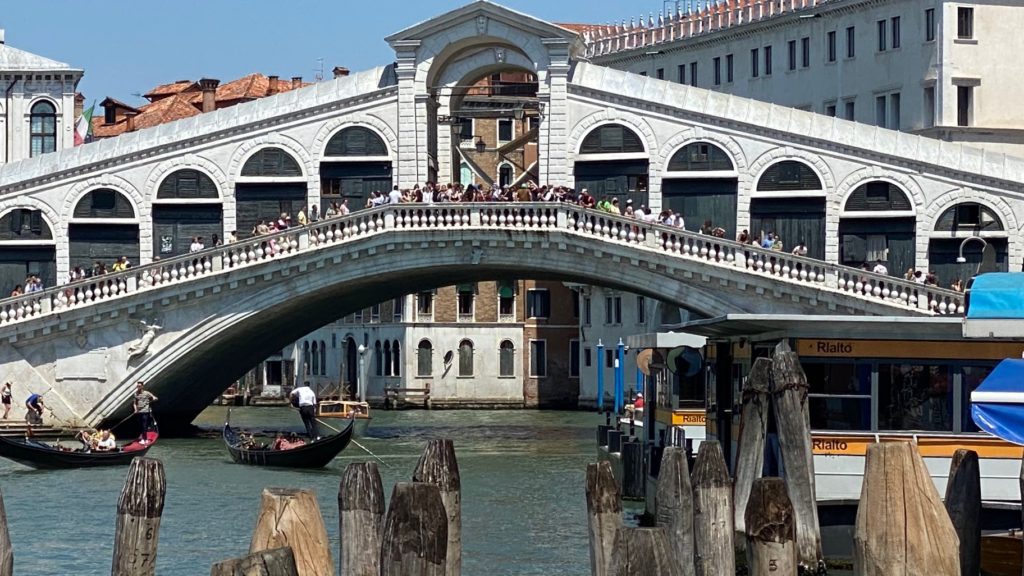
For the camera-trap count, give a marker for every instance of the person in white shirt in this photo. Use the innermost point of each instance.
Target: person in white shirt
(880, 268)
(304, 399)
(800, 250)
(394, 197)
(197, 244)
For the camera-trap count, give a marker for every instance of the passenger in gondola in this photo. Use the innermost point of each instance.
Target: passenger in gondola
(282, 443)
(106, 442)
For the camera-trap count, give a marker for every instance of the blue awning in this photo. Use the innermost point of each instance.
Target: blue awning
(997, 295)
(997, 405)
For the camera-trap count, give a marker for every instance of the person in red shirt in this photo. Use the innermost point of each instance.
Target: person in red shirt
(638, 404)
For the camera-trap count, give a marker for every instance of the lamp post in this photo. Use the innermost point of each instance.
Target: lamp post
(960, 257)
(600, 376)
(361, 380)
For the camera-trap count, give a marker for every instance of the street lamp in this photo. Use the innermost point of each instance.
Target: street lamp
(361, 381)
(960, 259)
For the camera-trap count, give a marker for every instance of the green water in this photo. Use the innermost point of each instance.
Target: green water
(523, 507)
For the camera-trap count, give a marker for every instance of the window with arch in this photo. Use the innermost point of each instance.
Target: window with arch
(877, 196)
(104, 203)
(396, 359)
(387, 358)
(969, 217)
(305, 358)
(356, 141)
(24, 224)
(42, 128)
(378, 358)
(700, 157)
(272, 162)
(315, 355)
(424, 358)
(323, 358)
(187, 184)
(465, 358)
(612, 139)
(507, 358)
(788, 175)
(505, 175)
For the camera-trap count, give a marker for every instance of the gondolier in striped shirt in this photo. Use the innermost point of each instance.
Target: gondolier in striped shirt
(305, 400)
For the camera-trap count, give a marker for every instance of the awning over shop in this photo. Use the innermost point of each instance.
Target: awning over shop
(997, 405)
(996, 295)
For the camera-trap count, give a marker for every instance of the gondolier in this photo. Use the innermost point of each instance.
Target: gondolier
(305, 400)
(143, 406)
(34, 414)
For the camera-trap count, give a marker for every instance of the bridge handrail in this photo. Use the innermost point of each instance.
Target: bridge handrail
(564, 216)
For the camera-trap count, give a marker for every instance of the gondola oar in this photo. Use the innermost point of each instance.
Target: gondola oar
(365, 449)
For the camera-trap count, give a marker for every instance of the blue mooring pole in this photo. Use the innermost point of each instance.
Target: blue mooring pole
(600, 376)
(620, 375)
(639, 379)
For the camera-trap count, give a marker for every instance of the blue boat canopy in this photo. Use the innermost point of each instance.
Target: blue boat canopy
(997, 295)
(997, 405)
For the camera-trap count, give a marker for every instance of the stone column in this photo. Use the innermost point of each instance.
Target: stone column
(445, 167)
(406, 167)
(554, 129)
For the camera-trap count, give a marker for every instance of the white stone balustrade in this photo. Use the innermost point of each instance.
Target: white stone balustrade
(603, 227)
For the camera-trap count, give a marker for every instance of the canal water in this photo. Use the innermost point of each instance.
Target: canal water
(523, 506)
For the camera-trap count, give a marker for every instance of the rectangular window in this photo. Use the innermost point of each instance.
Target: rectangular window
(588, 358)
(830, 46)
(792, 54)
(965, 23)
(880, 111)
(728, 68)
(538, 358)
(767, 60)
(894, 28)
(661, 73)
(894, 111)
(716, 66)
(840, 395)
(538, 303)
(399, 309)
(693, 73)
(805, 51)
(851, 42)
(830, 110)
(848, 110)
(506, 302)
(754, 62)
(424, 305)
(929, 106)
(375, 313)
(882, 43)
(681, 73)
(575, 304)
(929, 25)
(505, 129)
(641, 309)
(963, 105)
(922, 397)
(467, 294)
(574, 358)
(586, 311)
(466, 129)
(613, 310)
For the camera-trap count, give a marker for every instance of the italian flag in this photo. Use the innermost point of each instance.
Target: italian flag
(83, 128)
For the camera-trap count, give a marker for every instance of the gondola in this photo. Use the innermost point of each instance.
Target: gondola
(313, 455)
(42, 455)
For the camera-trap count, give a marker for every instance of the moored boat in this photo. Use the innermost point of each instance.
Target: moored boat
(43, 455)
(360, 411)
(315, 454)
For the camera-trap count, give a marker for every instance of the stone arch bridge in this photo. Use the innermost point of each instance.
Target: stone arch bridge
(190, 325)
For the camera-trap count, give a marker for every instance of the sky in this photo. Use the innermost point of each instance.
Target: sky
(128, 47)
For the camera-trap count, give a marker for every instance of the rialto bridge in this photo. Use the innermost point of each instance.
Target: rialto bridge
(854, 193)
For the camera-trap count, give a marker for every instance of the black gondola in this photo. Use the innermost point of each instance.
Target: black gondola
(313, 455)
(45, 456)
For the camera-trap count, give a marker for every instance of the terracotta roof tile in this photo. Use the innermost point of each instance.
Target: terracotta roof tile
(165, 90)
(174, 107)
(578, 28)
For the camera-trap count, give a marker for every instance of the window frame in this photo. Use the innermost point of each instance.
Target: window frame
(929, 25)
(472, 359)
(830, 46)
(542, 345)
(512, 360)
(544, 302)
(755, 62)
(510, 123)
(40, 130)
(419, 358)
(805, 52)
(883, 33)
(965, 23)
(895, 33)
(716, 66)
(767, 60)
(851, 41)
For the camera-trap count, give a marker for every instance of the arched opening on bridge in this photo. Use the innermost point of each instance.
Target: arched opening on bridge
(27, 247)
(877, 223)
(789, 202)
(271, 184)
(701, 183)
(187, 205)
(956, 224)
(356, 162)
(612, 163)
(492, 126)
(103, 228)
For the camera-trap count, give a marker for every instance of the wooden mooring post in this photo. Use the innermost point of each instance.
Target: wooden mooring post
(793, 422)
(360, 519)
(753, 434)
(274, 562)
(674, 507)
(6, 550)
(643, 552)
(291, 517)
(415, 537)
(712, 512)
(604, 515)
(770, 530)
(438, 466)
(963, 502)
(139, 510)
(902, 528)
(634, 477)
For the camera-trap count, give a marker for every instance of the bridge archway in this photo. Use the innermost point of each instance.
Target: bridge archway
(878, 223)
(613, 161)
(104, 228)
(701, 182)
(187, 205)
(788, 201)
(27, 247)
(271, 183)
(958, 223)
(355, 161)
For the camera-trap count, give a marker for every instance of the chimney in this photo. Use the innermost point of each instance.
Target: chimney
(296, 82)
(129, 117)
(209, 88)
(2, 41)
(340, 71)
(272, 86)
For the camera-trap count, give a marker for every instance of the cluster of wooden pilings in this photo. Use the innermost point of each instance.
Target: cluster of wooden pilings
(419, 535)
(706, 518)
